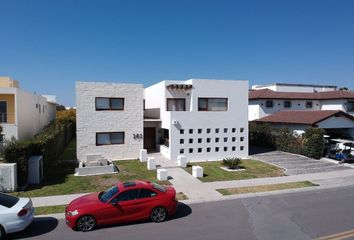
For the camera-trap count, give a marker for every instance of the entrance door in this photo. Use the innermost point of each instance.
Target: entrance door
(150, 138)
(3, 112)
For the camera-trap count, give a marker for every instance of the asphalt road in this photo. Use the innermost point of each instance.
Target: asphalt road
(301, 215)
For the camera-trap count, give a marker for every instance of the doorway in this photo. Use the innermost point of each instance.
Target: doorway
(150, 138)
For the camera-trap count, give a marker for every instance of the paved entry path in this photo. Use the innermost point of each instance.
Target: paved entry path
(295, 164)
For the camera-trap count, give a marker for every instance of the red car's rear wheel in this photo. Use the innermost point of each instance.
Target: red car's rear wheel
(158, 214)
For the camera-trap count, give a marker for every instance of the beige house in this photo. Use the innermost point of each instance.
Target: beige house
(22, 114)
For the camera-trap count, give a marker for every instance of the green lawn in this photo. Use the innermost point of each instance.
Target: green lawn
(61, 179)
(266, 188)
(254, 169)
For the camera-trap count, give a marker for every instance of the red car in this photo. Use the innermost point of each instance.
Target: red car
(124, 202)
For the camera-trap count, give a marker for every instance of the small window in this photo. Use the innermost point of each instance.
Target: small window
(109, 138)
(217, 149)
(309, 104)
(233, 130)
(199, 150)
(233, 149)
(225, 149)
(241, 139)
(216, 139)
(190, 150)
(181, 150)
(146, 193)
(176, 104)
(241, 148)
(269, 104)
(103, 103)
(199, 140)
(225, 130)
(287, 104)
(225, 139)
(208, 140)
(350, 106)
(217, 130)
(234, 139)
(199, 130)
(181, 131)
(190, 131)
(181, 141)
(208, 149)
(208, 130)
(242, 129)
(126, 196)
(191, 140)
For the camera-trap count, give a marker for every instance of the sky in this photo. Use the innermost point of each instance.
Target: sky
(48, 45)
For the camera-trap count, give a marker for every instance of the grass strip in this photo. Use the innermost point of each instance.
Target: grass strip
(266, 188)
(49, 210)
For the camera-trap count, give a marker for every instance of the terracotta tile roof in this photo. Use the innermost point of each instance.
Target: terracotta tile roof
(302, 117)
(269, 94)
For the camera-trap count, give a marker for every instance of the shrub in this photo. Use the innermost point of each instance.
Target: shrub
(261, 135)
(232, 163)
(286, 141)
(313, 142)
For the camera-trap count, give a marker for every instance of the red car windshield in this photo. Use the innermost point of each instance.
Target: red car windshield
(106, 195)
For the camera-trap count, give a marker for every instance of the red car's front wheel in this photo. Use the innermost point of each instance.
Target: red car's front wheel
(158, 214)
(85, 223)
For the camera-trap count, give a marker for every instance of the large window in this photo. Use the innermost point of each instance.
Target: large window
(103, 103)
(212, 104)
(176, 104)
(109, 138)
(350, 106)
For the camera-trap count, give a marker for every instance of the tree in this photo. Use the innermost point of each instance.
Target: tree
(313, 142)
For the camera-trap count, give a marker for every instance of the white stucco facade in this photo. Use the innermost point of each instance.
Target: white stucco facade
(288, 87)
(199, 140)
(91, 121)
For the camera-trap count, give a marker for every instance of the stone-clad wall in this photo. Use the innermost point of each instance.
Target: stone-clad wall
(90, 121)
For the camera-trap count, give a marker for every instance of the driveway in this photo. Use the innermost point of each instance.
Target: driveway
(297, 164)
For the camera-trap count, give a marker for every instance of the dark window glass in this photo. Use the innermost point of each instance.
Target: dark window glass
(191, 140)
(126, 195)
(287, 104)
(181, 131)
(308, 104)
(181, 141)
(199, 140)
(225, 149)
(199, 130)
(7, 200)
(233, 130)
(208, 140)
(146, 193)
(208, 130)
(216, 139)
(190, 131)
(109, 103)
(350, 106)
(269, 104)
(181, 151)
(208, 149)
(217, 149)
(225, 130)
(176, 104)
(191, 150)
(212, 104)
(199, 150)
(110, 138)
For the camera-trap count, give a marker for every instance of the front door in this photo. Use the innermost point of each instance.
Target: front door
(3, 112)
(150, 138)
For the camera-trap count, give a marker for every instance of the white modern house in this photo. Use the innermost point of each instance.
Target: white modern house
(299, 106)
(201, 119)
(23, 114)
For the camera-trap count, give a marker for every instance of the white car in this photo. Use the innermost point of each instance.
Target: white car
(15, 214)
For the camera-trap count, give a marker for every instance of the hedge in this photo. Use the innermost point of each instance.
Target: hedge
(50, 143)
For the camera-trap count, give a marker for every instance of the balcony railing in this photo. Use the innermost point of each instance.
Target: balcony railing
(7, 117)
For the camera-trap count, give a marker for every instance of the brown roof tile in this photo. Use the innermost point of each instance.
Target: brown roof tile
(302, 117)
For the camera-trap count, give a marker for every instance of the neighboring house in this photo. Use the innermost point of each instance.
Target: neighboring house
(264, 102)
(292, 104)
(22, 114)
(201, 119)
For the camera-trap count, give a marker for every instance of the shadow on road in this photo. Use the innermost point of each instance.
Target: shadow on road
(39, 226)
(258, 149)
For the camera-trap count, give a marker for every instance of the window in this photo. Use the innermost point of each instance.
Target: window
(199, 130)
(146, 193)
(350, 106)
(208, 149)
(208, 140)
(109, 103)
(233, 130)
(212, 104)
(217, 149)
(216, 139)
(234, 139)
(233, 149)
(199, 140)
(109, 138)
(181, 131)
(199, 150)
(3, 112)
(225, 149)
(225, 130)
(287, 104)
(191, 150)
(208, 130)
(241, 148)
(176, 104)
(181, 150)
(269, 104)
(308, 104)
(242, 129)
(225, 139)
(191, 140)
(216, 130)
(241, 139)
(126, 196)
(190, 131)
(181, 141)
